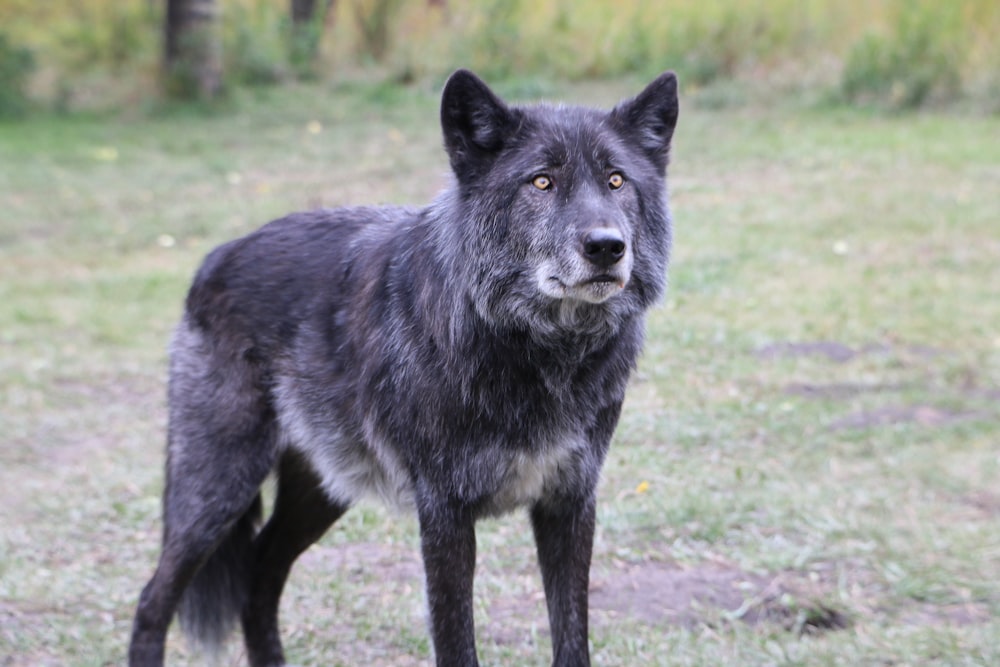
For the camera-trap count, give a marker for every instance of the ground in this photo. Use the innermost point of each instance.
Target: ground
(806, 470)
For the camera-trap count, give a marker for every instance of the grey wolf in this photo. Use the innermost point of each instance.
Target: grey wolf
(463, 360)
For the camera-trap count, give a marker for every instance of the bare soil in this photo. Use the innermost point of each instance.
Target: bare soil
(654, 592)
(922, 414)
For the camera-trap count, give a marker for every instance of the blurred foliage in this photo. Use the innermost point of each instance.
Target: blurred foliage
(255, 50)
(373, 19)
(16, 65)
(918, 61)
(895, 53)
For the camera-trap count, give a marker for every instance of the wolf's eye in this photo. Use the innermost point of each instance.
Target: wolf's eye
(615, 180)
(542, 182)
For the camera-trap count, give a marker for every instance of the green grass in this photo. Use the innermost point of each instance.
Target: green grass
(859, 474)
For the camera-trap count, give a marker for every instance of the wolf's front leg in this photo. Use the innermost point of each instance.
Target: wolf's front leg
(448, 543)
(564, 534)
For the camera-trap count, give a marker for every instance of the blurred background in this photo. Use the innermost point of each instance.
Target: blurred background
(103, 54)
(807, 467)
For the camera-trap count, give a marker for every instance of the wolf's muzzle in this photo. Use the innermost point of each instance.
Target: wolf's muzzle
(603, 246)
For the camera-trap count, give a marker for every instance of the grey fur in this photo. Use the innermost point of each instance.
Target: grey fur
(465, 359)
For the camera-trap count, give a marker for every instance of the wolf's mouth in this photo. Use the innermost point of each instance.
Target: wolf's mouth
(603, 279)
(595, 289)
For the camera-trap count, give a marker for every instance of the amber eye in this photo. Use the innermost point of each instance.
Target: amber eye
(615, 180)
(542, 182)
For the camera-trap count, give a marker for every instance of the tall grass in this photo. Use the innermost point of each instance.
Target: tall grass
(900, 53)
(918, 60)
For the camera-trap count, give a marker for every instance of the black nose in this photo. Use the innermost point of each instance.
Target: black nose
(603, 246)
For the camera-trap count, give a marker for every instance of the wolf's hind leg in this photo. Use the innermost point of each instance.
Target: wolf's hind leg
(209, 522)
(222, 443)
(302, 513)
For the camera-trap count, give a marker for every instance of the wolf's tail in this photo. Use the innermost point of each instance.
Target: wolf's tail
(211, 605)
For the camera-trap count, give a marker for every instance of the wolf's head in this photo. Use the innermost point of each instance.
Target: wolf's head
(564, 221)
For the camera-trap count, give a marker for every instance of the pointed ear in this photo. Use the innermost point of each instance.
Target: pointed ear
(475, 123)
(649, 118)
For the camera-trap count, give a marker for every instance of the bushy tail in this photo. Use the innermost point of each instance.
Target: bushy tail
(211, 605)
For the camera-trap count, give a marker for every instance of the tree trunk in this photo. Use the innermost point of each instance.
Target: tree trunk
(307, 30)
(192, 54)
(303, 11)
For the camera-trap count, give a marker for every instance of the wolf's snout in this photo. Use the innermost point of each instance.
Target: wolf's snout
(603, 246)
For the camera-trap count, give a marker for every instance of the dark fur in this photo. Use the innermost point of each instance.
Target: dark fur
(464, 359)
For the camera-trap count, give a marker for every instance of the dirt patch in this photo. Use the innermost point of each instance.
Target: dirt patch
(399, 563)
(839, 352)
(653, 591)
(86, 417)
(664, 593)
(955, 615)
(984, 501)
(925, 415)
(840, 390)
(919, 415)
(834, 351)
(656, 592)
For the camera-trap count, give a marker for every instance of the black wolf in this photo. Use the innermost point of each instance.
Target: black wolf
(464, 359)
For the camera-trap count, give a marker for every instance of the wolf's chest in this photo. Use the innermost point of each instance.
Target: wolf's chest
(530, 476)
(499, 477)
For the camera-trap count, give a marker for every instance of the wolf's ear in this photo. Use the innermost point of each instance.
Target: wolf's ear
(650, 117)
(475, 122)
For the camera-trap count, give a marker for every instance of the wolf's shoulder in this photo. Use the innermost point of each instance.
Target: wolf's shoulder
(304, 238)
(276, 272)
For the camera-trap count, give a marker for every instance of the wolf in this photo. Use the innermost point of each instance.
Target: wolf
(463, 360)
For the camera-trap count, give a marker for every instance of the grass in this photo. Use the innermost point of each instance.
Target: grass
(816, 411)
